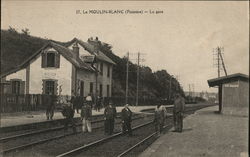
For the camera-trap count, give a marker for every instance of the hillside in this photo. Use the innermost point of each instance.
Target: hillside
(16, 47)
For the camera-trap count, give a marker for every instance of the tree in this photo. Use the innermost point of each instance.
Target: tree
(12, 30)
(26, 31)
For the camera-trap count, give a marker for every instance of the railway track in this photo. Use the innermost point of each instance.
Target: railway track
(43, 139)
(137, 148)
(115, 144)
(87, 144)
(34, 132)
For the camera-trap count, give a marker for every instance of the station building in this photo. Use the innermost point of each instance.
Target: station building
(233, 92)
(72, 68)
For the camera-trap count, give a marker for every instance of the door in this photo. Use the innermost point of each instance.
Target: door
(82, 88)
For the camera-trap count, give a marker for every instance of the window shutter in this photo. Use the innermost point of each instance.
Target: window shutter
(22, 87)
(57, 60)
(43, 86)
(55, 87)
(8, 88)
(44, 60)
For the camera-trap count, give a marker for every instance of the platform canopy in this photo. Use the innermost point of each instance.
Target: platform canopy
(227, 79)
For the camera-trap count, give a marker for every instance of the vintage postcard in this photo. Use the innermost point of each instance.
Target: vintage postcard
(124, 78)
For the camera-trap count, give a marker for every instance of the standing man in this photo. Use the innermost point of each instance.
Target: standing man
(159, 119)
(98, 104)
(73, 101)
(68, 113)
(178, 111)
(86, 114)
(50, 102)
(109, 116)
(89, 100)
(126, 117)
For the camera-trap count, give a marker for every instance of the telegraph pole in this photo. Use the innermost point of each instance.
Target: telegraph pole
(218, 56)
(126, 99)
(170, 86)
(193, 90)
(222, 61)
(137, 85)
(189, 90)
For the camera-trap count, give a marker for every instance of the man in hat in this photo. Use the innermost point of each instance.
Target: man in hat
(68, 113)
(178, 111)
(109, 116)
(126, 116)
(86, 113)
(89, 100)
(159, 118)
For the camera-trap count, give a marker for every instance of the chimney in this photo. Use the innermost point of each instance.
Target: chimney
(96, 43)
(76, 50)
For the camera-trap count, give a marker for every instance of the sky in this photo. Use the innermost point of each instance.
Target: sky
(180, 40)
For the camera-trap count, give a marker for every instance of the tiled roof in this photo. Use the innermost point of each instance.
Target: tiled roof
(91, 49)
(68, 54)
(88, 59)
(64, 51)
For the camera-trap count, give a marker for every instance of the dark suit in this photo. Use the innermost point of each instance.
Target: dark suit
(109, 114)
(126, 117)
(178, 113)
(68, 113)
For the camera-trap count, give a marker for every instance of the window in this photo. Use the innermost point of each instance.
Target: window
(50, 59)
(100, 94)
(49, 87)
(101, 68)
(108, 72)
(91, 87)
(82, 89)
(15, 87)
(107, 90)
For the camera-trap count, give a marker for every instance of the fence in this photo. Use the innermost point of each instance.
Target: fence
(25, 102)
(36, 102)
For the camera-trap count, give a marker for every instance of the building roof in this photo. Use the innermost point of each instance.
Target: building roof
(92, 50)
(65, 52)
(227, 79)
(89, 59)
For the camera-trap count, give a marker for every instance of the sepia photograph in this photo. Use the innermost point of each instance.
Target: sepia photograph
(124, 78)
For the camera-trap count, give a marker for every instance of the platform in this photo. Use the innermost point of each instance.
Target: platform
(205, 133)
(21, 118)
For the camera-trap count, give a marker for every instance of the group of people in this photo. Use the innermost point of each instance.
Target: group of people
(77, 102)
(68, 112)
(110, 113)
(160, 115)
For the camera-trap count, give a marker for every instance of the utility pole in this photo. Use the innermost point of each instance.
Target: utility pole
(189, 90)
(170, 86)
(193, 90)
(222, 61)
(218, 56)
(126, 99)
(137, 85)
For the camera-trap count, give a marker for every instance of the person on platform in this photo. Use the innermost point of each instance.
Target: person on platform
(159, 118)
(86, 113)
(178, 112)
(50, 102)
(98, 104)
(73, 101)
(89, 100)
(68, 113)
(126, 116)
(109, 116)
